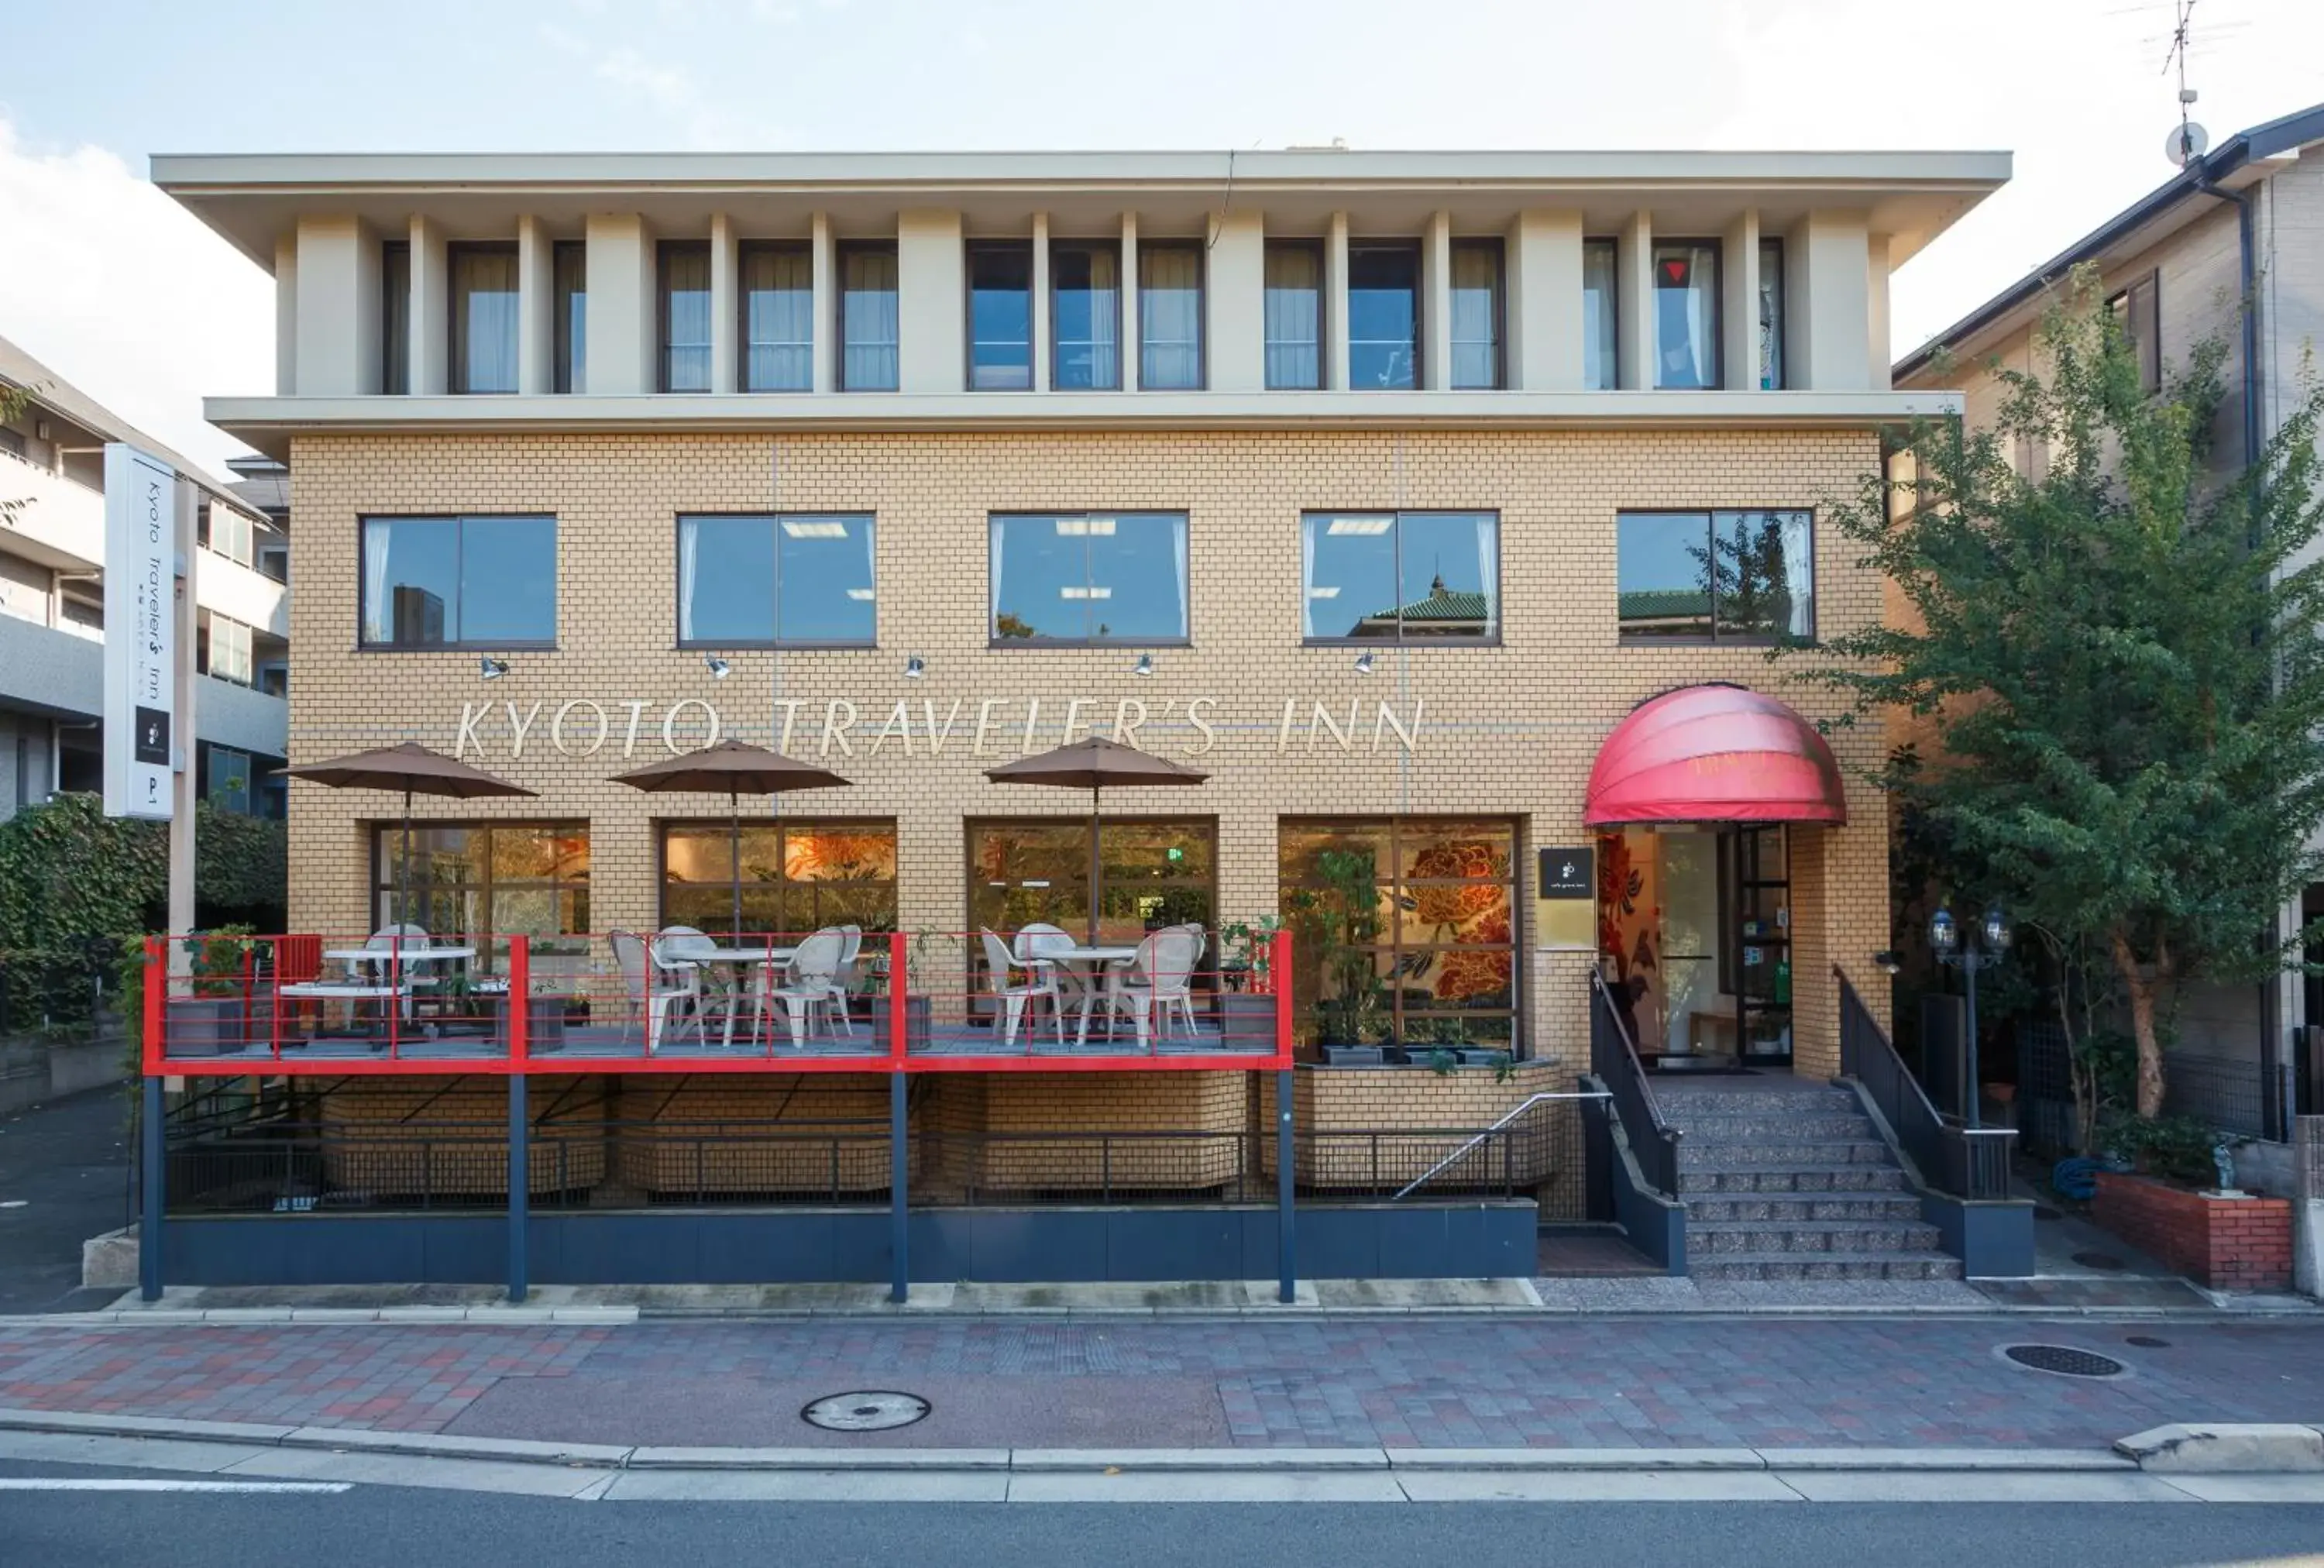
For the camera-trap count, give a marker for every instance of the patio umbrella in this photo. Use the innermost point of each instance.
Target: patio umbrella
(414, 769)
(736, 769)
(1093, 764)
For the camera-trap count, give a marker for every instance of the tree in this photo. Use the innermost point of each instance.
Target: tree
(2119, 662)
(14, 401)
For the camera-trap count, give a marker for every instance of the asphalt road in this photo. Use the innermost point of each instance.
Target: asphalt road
(67, 1164)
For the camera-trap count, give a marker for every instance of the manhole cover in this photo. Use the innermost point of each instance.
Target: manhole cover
(2064, 1360)
(868, 1410)
(2104, 1260)
(2147, 1343)
(2044, 1212)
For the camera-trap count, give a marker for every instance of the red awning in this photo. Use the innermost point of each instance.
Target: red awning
(1714, 753)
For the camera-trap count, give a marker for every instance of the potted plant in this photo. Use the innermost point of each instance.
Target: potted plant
(928, 956)
(1246, 1000)
(216, 1018)
(544, 1021)
(1342, 918)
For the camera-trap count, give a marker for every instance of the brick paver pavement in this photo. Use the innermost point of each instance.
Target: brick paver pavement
(1418, 1381)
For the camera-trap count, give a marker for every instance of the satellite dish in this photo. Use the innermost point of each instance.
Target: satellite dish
(2186, 142)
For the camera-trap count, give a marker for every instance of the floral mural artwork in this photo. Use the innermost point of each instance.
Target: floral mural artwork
(1460, 858)
(1482, 971)
(1620, 884)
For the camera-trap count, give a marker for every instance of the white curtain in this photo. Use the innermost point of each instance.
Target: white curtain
(869, 335)
(778, 319)
(484, 306)
(689, 554)
(1489, 572)
(1178, 545)
(1170, 317)
(686, 310)
(1798, 572)
(1308, 528)
(1294, 311)
(999, 527)
(1476, 315)
(379, 612)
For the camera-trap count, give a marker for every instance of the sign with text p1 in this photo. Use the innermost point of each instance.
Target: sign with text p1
(141, 632)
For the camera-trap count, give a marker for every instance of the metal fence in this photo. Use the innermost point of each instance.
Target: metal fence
(2222, 1092)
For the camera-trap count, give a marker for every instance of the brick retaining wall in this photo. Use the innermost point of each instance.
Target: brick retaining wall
(2226, 1243)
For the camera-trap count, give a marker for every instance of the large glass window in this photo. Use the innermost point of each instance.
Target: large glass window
(777, 288)
(1295, 314)
(1411, 577)
(1000, 315)
(1169, 317)
(1771, 315)
(797, 876)
(484, 318)
(1404, 930)
(1747, 576)
(395, 316)
(1089, 577)
(1686, 314)
(763, 581)
(226, 650)
(459, 581)
(489, 881)
(572, 312)
(1152, 872)
(868, 321)
(1383, 315)
(1476, 313)
(1085, 312)
(1601, 354)
(685, 316)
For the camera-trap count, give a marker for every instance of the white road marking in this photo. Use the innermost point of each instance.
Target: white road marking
(44, 1483)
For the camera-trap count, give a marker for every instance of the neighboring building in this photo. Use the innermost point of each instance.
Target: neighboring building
(2244, 224)
(53, 609)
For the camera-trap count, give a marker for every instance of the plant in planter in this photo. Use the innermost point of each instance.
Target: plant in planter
(216, 1018)
(929, 957)
(1342, 919)
(1250, 952)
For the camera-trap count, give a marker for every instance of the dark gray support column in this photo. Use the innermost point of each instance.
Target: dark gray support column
(151, 1159)
(1285, 1209)
(520, 1197)
(900, 1189)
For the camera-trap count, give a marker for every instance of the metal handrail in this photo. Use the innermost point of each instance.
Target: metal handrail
(1964, 1162)
(1657, 1156)
(1528, 1103)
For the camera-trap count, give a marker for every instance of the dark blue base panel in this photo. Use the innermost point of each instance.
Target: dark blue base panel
(817, 1246)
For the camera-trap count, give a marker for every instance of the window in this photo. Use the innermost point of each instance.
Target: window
(395, 316)
(767, 581)
(1085, 307)
(797, 876)
(2138, 310)
(1000, 315)
(275, 678)
(226, 785)
(1169, 317)
(225, 649)
(778, 286)
(459, 581)
(1745, 576)
(484, 318)
(572, 310)
(1294, 314)
(867, 317)
(274, 560)
(1771, 315)
(1476, 313)
(1410, 577)
(1089, 577)
(1686, 314)
(1425, 912)
(685, 316)
(1384, 316)
(489, 882)
(1152, 872)
(1600, 356)
(226, 532)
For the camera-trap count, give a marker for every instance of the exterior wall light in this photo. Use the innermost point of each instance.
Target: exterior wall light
(1989, 947)
(718, 667)
(1145, 664)
(492, 668)
(1363, 664)
(1889, 962)
(914, 666)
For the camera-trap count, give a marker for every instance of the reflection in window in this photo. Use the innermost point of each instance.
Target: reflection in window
(798, 877)
(778, 287)
(745, 581)
(1086, 308)
(459, 581)
(1739, 576)
(868, 323)
(490, 882)
(1476, 313)
(1152, 873)
(484, 318)
(1089, 577)
(999, 316)
(1295, 314)
(685, 316)
(1170, 316)
(1601, 357)
(1384, 316)
(395, 316)
(1686, 314)
(1771, 315)
(572, 313)
(1413, 576)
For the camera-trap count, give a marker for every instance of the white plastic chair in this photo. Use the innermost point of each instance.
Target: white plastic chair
(843, 978)
(1014, 999)
(390, 969)
(1055, 978)
(814, 970)
(677, 957)
(1160, 987)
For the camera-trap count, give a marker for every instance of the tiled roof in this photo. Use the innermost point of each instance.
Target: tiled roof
(1663, 603)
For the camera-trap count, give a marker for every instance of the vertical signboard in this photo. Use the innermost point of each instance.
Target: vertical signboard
(141, 632)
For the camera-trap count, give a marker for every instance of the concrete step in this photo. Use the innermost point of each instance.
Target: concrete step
(1788, 1152)
(1677, 1103)
(1791, 1208)
(1753, 1127)
(1813, 1237)
(1831, 1266)
(1799, 1178)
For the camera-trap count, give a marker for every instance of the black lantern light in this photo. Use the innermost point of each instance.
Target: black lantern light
(1969, 952)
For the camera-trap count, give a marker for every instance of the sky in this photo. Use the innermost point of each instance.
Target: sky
(129, 298)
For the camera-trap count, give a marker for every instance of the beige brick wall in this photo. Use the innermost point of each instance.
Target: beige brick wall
(1508, 731)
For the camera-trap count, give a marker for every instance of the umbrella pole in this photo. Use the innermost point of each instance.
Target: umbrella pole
(1094, 867)
(405, 896)
(734, 857)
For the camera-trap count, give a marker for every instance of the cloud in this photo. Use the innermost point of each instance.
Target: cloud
(127, 296)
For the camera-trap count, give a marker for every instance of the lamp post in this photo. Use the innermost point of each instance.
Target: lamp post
(1980, 949)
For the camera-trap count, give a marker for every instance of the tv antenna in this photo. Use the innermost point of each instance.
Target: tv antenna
(2188, 140)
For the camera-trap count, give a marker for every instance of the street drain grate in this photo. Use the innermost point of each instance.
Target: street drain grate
(2147, 1343)
(2064, 1360)
(2106, 1261)
(865, 1410)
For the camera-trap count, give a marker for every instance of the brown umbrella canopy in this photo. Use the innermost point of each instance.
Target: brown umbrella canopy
(1094, 763)
(735, 769)
(414, 769)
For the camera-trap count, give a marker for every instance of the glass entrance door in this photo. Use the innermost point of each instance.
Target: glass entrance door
(1759, 941)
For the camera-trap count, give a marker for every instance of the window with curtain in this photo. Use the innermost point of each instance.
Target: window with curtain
(1169, 317)
(1085, 315)
(780, 581)
(1686, 314)
(868, 322)
(1742, 577)
(1089, 577)
(226, 650)
(571, 372)
(1294, 314)
(1000, 315)
(777, 284)
(1400, 576)
(489, 881)
(1600, 363)
(459, 581)
(1477, 313)
(685, 316)
(395, 316)
(1771, 315)
(484, 317)
(1383, 315)
(797, 876)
